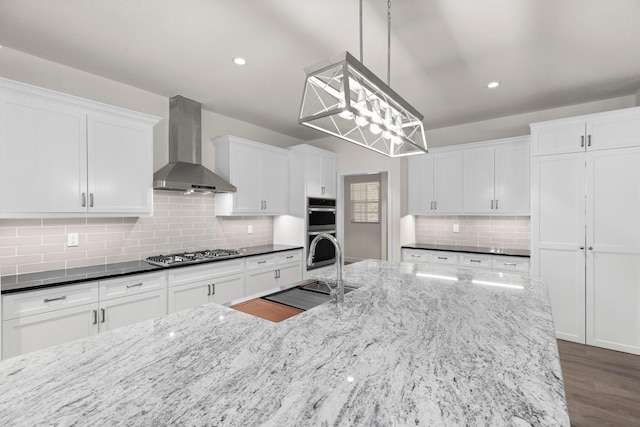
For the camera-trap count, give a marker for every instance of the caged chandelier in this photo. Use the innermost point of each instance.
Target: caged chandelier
(345, 99)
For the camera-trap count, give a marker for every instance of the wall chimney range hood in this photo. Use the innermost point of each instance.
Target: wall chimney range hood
(185, 172)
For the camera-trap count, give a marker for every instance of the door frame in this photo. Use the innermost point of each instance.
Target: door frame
(341, 208)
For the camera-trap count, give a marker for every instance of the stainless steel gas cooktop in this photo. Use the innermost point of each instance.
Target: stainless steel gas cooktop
(191, 257)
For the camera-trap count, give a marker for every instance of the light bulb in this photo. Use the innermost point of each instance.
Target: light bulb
(396, 140)
(361, 120)
(388, 116)
(346, 114)
(375, 111)
(374, 128)
(386, 134)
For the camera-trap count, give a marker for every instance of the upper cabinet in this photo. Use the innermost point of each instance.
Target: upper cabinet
(65, 156)
(601, 131)
(435, 183)
(313, 174)
(496, 178)
(260, 172)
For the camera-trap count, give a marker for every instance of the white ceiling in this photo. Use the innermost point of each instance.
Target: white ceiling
(545, 53)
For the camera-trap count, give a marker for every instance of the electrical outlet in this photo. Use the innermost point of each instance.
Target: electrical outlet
(456, 228)
(250, 229)
(72, 239)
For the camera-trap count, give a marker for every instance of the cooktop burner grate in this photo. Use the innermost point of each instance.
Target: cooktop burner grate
(190, 257)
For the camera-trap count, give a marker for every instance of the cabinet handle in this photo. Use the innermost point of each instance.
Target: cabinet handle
(90, 200)
(213, 289)
(442, 257)
(590, 248)
(496, 204)
(103, 313)
(589, 141)
(581, 140)
(95, 317)
(582, 248)
(133, 286)
(275, 274)
(208, 290)
(289, 257)
(265, 204)
(55, 299)
(415, 256)
(475, 260)
(491, 204)
(84, 200)
(435, 205)
(261, 262)
(512, 264)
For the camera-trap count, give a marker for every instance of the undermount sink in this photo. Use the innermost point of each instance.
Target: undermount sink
(304, 297)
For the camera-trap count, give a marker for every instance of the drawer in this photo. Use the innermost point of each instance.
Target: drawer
(476, 260)
(511, 263)
(45, 300)
(131, 285)
(439, 257)
(211, 270)
(261, 261)
(415, 255)
(291, 256)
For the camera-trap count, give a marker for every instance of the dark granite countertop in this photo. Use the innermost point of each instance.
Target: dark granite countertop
(470, 249)
(46, 279)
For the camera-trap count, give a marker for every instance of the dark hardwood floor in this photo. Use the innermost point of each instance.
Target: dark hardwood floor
(602, 386)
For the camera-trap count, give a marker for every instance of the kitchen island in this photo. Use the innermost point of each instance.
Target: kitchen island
(415, 345)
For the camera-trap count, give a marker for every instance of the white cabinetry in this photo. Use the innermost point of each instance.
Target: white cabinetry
(496, 178)
(268, 272)
(504, 263)
(313, 174)
(65, 156)
(220, 282)
(38, 319)
(585, 230)
(435, 183)
(260, 172)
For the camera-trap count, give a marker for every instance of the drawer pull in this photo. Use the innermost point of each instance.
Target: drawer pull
(213, 289)
(442, 257)
(415, 256)
(208, 290)
(475, 260)
(134, 286)
(55, 299)
(95, 317)
(104, 315)
(262, 262)
(512, 264)
(290, 256)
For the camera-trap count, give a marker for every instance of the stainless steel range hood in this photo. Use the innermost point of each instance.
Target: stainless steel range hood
(185, 171)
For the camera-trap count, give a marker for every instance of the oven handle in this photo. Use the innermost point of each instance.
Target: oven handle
(315, 233)
(322, 209)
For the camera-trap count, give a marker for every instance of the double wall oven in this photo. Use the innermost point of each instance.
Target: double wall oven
(321, 218)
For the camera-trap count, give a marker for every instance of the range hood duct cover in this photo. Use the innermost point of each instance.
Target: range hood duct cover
(185, 171)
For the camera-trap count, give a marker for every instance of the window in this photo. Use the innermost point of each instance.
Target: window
(365, 202)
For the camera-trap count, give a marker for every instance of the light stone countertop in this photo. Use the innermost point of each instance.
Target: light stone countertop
(415, 345)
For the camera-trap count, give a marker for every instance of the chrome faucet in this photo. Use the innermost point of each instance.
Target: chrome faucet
(338, 292)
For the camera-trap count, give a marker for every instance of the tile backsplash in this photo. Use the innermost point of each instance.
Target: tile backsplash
(512, 232)
(179, 223)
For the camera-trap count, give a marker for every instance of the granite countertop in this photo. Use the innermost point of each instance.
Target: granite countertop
(415, 345)
(46, 279)
(470, 249)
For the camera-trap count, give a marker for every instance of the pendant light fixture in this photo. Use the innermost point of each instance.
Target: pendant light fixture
(345, 99)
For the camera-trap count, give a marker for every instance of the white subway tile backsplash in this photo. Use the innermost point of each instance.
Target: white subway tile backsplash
(179, 223)
(499, 232)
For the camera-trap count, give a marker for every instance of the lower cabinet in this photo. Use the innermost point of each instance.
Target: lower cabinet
(219, 282)
(268, 272)
(500, 263)
(34, 320)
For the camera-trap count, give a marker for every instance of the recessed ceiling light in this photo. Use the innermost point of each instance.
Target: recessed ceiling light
(239, 61)
(493, 85)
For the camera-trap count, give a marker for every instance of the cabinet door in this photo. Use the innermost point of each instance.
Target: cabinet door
(328, 176)
(613, 265)
(289, 273)
(566, 136)
(420, 184)
(275, 183)
(614, 130)
(512, 179)
(478, 195)
(42, 156)
(120, 165)
(131, 309)
(313, 174)
(557, 236)
(189, 295)
(30, 333)
(447, 189)
(259, 281)
(245, 175)
(228, 288)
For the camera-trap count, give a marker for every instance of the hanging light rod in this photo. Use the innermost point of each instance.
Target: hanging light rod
(345, 99)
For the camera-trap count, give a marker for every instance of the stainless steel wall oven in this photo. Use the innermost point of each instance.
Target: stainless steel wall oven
(321, 218)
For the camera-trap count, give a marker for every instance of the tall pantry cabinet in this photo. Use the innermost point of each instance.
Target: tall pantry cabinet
(585, 225)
